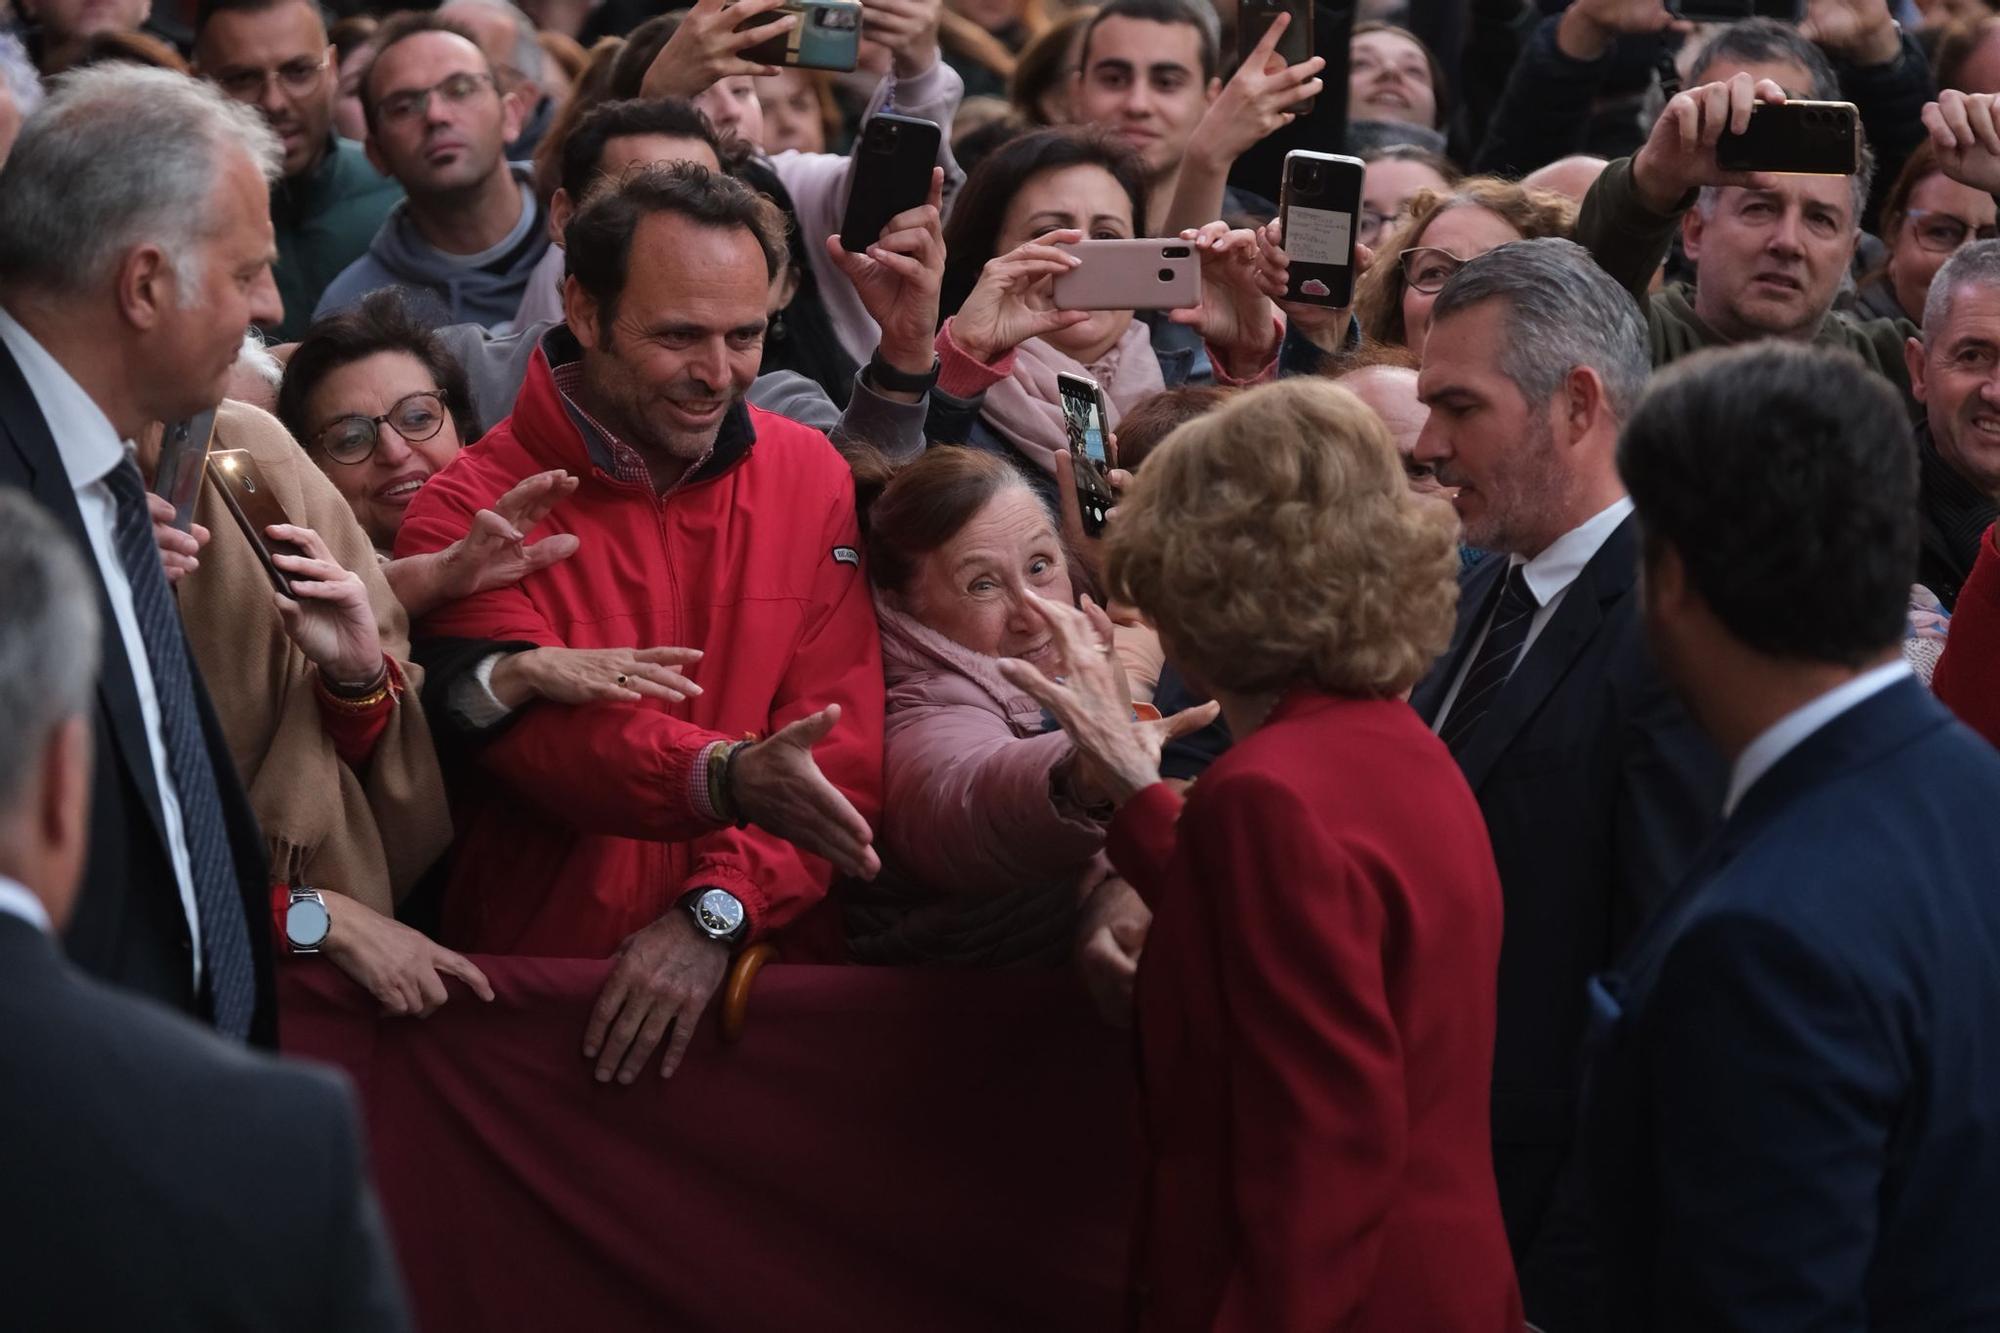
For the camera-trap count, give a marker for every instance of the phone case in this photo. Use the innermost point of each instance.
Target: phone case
(1320, 196)
(183, 458)
(827, 36)
(892, 174)
(1734, 11)
(1144, 274)
(1798, 138)
(254, 507)
(1253, 20)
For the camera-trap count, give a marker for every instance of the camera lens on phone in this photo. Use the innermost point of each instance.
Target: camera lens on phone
(1166, 275)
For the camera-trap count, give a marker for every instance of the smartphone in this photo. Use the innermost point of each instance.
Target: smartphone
(1084, 415)
(255, 507)
(892, 174)
(1253, 20)
(183, 456)
(1799, 138)
(1318, 199)
(1144, 274)
(1733, 11)
(827, 36)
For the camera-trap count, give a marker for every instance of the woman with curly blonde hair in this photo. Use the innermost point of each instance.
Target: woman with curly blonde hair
(1315, 1002)
(1444, 229)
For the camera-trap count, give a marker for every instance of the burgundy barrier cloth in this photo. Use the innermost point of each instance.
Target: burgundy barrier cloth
(885, 1149)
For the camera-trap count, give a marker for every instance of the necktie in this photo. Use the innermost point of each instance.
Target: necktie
(1505, 635)
(225, 935)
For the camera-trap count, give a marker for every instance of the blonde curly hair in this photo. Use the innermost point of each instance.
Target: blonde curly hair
(1276, 542)
(1378, 297)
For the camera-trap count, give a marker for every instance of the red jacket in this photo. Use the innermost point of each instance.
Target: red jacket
(1967, 678)
(1315, 1009)
(581, 827)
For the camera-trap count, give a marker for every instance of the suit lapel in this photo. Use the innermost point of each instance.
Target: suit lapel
(29, 441)
(1607, 577)
(1476, 590)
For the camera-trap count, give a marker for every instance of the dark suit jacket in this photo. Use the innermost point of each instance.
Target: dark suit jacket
(1315, 1016)
(130, 927)
(1597, 790)
(159, 1177)
(1794, 1099)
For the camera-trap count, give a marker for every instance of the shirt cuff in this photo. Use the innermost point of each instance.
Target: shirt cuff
(962, 375)
(1267, 371)
(700, 798)
(472, 699)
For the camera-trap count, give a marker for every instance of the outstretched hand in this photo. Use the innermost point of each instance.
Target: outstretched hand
(497, 552)
(779, 788)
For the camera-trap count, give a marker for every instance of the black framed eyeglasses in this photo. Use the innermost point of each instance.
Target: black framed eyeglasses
(1942, 234)
(351, 439)
(1426, 268)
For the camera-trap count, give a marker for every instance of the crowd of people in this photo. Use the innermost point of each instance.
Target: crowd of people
(1519, 754)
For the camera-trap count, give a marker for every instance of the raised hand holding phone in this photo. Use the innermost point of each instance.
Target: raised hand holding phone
(1679, 153)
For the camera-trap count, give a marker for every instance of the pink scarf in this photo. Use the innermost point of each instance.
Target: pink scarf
(1024, 408)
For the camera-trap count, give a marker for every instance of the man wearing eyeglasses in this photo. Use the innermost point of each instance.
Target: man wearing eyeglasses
(469, 231)
(274, 55)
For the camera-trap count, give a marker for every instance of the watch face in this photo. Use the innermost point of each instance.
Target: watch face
(306, 923)
(719, 912)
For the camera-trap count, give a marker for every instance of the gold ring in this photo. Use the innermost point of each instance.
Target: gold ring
(621, 680)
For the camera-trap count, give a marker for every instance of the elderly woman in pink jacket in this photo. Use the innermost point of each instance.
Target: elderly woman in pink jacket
(993, 824)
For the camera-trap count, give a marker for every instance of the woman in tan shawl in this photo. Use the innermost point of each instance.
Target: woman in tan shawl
(360, 826)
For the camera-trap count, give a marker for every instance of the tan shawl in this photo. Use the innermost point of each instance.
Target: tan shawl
(368, 835)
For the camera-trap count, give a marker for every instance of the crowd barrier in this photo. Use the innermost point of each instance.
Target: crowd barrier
(882, 1149)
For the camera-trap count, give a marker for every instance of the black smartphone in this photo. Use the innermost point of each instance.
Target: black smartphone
(255, 507)
(183, 456)
(891, 175)
(1084, 415)
(1318, 200)
(1798, 138)
(1734, 11)
(1253, 20)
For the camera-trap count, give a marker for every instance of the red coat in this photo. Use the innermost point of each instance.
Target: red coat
(1967, 678)
(1315, 1010)
(581, 828)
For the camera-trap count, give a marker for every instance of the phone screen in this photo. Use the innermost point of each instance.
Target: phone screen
(1085, 422)
(1319, 236)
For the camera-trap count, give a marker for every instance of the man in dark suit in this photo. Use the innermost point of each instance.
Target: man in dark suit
(1794, 1094)
(157, 1176)
(1595, 785)
(135, 248)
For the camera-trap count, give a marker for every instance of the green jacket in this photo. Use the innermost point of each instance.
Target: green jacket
(1629, 240)
(324, 221)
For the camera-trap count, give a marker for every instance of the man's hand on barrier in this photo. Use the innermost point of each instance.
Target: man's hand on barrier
(661, 980)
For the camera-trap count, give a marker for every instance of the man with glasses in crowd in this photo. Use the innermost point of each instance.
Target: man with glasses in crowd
(274, 55)
(470, 230)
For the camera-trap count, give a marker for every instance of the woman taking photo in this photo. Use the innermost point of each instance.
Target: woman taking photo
(1315, 1004)
(1005, 341)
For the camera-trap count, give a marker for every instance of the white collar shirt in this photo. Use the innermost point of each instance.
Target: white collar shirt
(1794, 728)
(15, 900)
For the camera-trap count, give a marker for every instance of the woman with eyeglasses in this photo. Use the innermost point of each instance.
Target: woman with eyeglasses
(1392, 301)
(1395, 174)
(1926, 217)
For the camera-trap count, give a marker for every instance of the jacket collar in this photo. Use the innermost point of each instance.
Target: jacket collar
(1955, 512)
(912, 650)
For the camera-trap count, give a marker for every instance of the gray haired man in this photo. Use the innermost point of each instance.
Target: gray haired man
(1595, 785)
(157, 1176)
(135, 248)
(1955, 373)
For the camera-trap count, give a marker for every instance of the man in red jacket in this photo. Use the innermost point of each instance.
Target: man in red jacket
(622, 828)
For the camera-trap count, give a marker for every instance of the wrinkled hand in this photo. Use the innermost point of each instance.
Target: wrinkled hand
(1965, 129)
(1588, 28)
(1076, 541)
(1111, 935)
(1324, 326)
(1011, 302)
(496, 552)
(779, 788)
(707, 48)
(597, 675)
(662, 978)
(907, 29)
(1258, 99)
(1235, 317)
(1089, 699)
(328, 614)
(1679, 154)
(402, 968)
(1862, 32)
(898, 280)
(180, 552)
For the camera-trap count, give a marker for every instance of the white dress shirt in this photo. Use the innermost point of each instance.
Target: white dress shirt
(90, 448)
(15, 900)
(1549, 576)
(1791, 730)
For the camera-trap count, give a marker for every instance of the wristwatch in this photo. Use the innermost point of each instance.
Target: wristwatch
(717, 914)
(882, 375)
(306, 921)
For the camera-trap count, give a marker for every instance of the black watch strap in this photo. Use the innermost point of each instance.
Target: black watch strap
(882, 375)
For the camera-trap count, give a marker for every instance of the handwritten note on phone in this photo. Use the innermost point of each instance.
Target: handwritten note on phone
(1318, 236)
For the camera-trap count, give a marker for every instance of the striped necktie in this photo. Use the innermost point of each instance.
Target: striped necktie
(1506, 633)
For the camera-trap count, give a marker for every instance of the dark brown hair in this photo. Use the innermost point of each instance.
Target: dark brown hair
(908, 512)
(382, 322)
(400, 28)
(1044, 63)
(588, 90)
(1141, 430)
